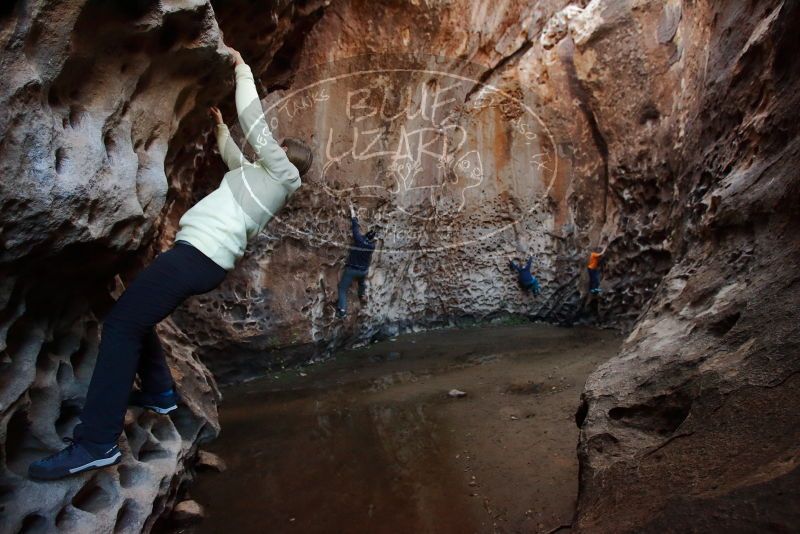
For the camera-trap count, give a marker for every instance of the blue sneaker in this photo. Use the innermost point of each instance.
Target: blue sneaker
(162, 403)
(76, 458)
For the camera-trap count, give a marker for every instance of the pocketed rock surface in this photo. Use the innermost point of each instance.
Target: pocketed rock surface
(668, 127)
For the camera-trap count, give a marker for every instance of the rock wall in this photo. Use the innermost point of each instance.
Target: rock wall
(691, 426)
(524, 174)
(465, 133)
(92, 95)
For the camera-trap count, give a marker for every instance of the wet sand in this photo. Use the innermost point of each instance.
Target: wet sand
(370, 442)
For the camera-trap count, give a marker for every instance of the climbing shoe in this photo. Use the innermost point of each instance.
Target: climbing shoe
(75, 458)
(162, 403)
(340, 313)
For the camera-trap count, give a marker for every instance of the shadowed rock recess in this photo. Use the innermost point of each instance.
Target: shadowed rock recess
(668, 126)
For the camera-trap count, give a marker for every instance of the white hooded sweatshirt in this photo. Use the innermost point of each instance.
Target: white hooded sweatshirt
(222, 223)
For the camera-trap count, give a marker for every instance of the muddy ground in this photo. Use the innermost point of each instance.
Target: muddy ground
(371, 441)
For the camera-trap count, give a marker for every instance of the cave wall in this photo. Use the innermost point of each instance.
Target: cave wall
(92, 95)
(668, 126)
(674, 124)
(542, 188)
(691, 426)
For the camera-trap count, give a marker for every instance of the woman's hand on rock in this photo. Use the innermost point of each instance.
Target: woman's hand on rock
(237, 57)
(216, 113)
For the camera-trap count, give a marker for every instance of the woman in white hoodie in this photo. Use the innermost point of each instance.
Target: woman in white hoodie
(212, 237)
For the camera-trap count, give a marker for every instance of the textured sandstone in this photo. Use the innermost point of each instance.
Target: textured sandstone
(91, 97)
(669, 126)
(690, 427)
(208, 460)
(100, 102)
(187, 512)
(436, 265)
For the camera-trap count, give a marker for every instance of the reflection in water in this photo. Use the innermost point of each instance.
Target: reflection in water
(312, 464)
(371, 443)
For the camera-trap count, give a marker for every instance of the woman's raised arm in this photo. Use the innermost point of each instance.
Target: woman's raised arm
(251, 117)
(230, 153)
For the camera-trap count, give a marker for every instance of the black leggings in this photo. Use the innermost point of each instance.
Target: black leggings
(129, 343)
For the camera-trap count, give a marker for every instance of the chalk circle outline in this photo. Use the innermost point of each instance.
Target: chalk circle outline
(483, 85)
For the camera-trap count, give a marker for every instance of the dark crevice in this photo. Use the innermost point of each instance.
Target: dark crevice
(61, 156)
(649, 112)
(65, 518)
(91, 498)
(126, 518)
(7, 8)
(663, 415)
(152, 451)
(581, 412)
(33, 523)
(581, 93)
(499, 66)
(281, 70)
(723, 326)
(68, 416)
(128, 475)
(21, 446)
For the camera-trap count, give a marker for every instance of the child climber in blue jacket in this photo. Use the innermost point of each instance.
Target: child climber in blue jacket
(526, 278)
(357, 265)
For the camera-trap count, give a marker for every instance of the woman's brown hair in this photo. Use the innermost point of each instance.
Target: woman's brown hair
(298, 153)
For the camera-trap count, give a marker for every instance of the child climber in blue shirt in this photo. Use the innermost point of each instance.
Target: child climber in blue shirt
(526, 278)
